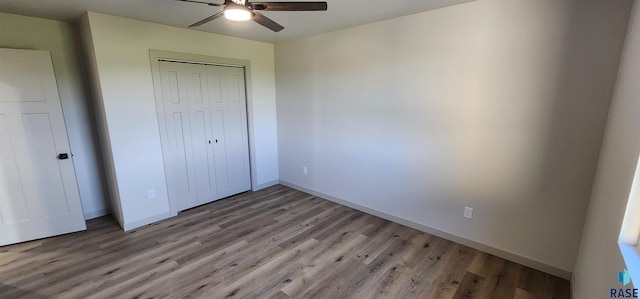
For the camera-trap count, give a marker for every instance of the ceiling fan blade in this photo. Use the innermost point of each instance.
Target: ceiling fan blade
(266, 22)
(207, 19)
(202, 2)
(289, 6)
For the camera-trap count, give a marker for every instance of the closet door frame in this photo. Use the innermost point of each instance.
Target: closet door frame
(157, 55)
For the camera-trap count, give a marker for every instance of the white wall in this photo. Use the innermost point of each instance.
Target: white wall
(499, 105)
(599, 259)
(113, 195)
(61, 40)
(121, 52)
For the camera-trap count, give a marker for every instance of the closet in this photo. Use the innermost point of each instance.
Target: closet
(205, 147)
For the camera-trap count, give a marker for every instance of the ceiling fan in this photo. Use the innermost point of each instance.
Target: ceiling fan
(243, 10)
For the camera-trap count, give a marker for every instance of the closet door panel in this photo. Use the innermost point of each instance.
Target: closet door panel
(178, 166)
(188, 122)
(205, 173)
(226, 86)
(180, 184)
(238, 131)
(218, 92)
(221, 167)
(200, 120)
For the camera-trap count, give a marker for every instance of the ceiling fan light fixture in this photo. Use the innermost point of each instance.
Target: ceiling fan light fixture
(235, 12)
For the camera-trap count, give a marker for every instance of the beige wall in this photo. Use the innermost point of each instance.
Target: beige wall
(61, 40)
(599, 259)
(498, 105)
(127, 103)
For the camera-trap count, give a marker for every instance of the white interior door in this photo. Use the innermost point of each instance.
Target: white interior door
(229, 115)
(38, 189)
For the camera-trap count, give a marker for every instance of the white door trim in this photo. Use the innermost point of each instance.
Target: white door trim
(155, 56)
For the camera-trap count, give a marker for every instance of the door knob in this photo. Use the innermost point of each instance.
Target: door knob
(63, 156)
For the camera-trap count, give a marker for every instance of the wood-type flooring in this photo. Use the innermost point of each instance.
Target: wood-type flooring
(274, 243)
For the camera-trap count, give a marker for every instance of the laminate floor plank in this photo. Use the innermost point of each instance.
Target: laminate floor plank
(168, 284)
(384, 266)
(273, 243)
(333, 285)
(326, 224)
(215, 273)
(382, 240)
(247, 282)
(124, 274)
(461, 259)
(324, 268)
(469, 286)
(312, 204)
(354, 223)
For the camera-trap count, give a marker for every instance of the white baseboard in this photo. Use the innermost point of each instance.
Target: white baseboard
(96, 214)
(265, 185)
(142, 222)
(454, 238)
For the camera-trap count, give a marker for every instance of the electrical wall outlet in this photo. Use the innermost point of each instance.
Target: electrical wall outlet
(468, 212)
(304, 170)
(151, 193)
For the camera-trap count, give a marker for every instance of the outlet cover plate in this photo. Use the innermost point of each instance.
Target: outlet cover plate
(468, 212)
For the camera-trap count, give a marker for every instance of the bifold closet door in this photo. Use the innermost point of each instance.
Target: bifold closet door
(229, 115)
(190, 171)
(206, 144)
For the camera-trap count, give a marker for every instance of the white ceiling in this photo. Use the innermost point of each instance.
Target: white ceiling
(341, 14)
